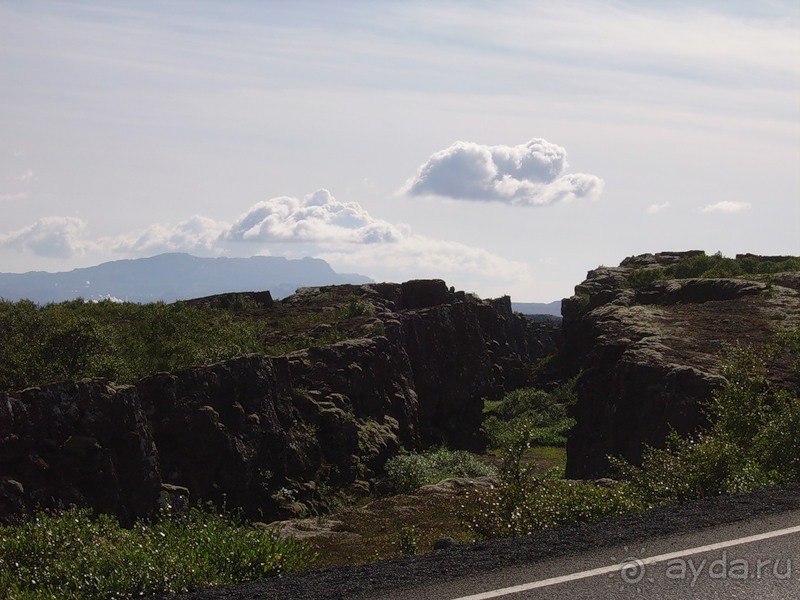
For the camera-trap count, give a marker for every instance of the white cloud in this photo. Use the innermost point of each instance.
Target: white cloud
(317, 218)
(530, 174)
(56, 237)
(343, 233)
(418, 256)
(346, 235)
(726, 206)
(26, 176)
(654, 209)
(195, 234)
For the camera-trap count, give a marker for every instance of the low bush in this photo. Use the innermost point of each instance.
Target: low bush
(715, 265)
(126, 341)
(751, 441)
(408, 472)
(75, 554)
(543, 413)
(525, 502)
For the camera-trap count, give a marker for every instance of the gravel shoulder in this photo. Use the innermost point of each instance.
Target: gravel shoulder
(363, 581)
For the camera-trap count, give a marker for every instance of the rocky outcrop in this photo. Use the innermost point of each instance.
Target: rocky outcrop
(270, 434)
(86, 444)
(647, 357)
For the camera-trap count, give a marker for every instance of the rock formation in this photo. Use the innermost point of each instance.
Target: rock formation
(268, 434)
(647, 356)
(85, 443)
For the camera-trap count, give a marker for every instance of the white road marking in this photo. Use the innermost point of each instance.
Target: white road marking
(650, 560)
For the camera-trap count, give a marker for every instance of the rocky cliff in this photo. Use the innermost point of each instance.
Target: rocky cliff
(646, 355)
(273, 434)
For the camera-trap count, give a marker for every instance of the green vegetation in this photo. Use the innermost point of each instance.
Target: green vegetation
(751, 442)
(77, 555)
(410, 471)
(126, 341)
(716, 265)
(543, 413)
(76, 339)
(526, 501)
(407, 541)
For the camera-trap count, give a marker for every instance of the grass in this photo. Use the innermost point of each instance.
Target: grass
(410, 471)
(412, 522)
(391, 527)
(715, 265)
(77, 555)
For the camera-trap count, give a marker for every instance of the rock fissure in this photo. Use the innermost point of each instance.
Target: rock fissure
(267, 434)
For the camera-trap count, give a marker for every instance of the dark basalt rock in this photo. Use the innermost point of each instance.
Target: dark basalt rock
(647, 358)
(261, 433)
(86, 443)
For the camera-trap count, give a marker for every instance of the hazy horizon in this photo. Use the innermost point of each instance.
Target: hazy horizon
(506, 148)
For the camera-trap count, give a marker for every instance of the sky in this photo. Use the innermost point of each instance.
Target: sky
(507, 147)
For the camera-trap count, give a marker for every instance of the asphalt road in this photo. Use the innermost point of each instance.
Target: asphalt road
(714, 562)
(470, 569)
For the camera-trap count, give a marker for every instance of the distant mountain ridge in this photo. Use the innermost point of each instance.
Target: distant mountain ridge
(173, 276)
(538, 308)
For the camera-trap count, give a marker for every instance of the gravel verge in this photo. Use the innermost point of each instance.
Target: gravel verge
(362, 581)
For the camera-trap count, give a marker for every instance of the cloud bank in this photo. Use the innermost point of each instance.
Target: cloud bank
(52, 237)
(530, 174)
(343, 233)
(195, 234)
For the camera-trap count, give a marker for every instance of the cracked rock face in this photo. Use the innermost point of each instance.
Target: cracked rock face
(648, 357)
(86, 443)
(266, 434)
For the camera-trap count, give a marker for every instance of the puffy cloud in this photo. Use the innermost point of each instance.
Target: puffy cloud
(654, 209)
(56, 237)
(318, 225)
(530, 174)
(194, 234)
(317, 218)
(726, 206)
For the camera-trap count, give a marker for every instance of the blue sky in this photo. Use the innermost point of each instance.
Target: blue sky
(506, 147)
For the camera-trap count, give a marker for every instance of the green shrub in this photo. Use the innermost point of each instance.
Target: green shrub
(643, 277)
(525, 502)
(545, 413)
(703, 265)
(409, 472)
(75, 554)
(126, 341)
(407, 541)
(354, 307)
(751, 441)
(713, 266)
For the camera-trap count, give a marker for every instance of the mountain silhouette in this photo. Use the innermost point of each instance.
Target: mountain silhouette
(173, 276)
